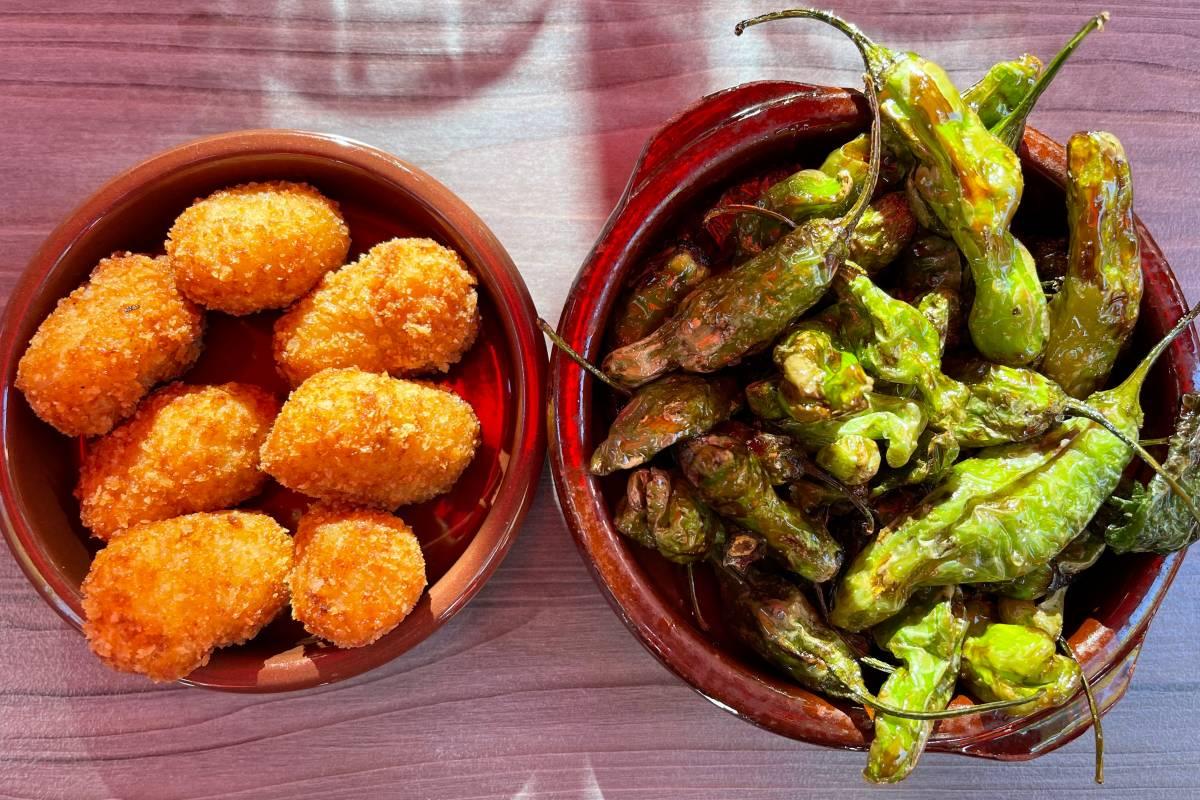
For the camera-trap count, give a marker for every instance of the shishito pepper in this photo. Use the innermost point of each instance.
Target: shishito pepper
(1003, 513)
(773, 616)
(661, 511)
(661, 414)
(1093, 314)
(656, 293)
(1017, 662)
(1002, 88)
(730, 480)
(969, 179)
(823, 381)
(927, 637)
(739, 312)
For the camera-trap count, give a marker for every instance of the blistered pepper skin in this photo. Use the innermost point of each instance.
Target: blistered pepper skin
(657, 292)
(1092, 316)
(927, 637)
(730, 481)
(661, 414)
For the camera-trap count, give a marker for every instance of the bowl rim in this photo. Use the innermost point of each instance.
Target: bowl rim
(480, 249)
(647, 616)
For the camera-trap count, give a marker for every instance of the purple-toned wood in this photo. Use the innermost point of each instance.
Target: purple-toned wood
(534, 113)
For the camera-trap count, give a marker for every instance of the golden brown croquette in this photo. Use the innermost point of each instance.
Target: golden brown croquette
(163, 595)
(407, 307)
(360, 437)
(107, 343)
(256, 246)
(186, 449)
(358, 574)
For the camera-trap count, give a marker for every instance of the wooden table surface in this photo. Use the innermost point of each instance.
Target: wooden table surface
(533, 111)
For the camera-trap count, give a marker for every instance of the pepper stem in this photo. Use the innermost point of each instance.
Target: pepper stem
(833, 483)
(691, 579)
(949, 713)
(562, 345)
(875, 663)
(1093, 708)
(868, 189)
(1082, 409)
(1010, 129)
(852, 31)
(1133, 384)
(748, 208)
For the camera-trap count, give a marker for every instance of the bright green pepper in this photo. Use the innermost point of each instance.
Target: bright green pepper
(1002, 88)
(852, 459)
(823, 380)
(894, 420)
(1002, 514)
(1012, 662)
(927, 637)
(972, 183)
(1093, 314)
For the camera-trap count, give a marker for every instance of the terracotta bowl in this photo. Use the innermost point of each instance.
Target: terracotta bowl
(726, 137)
(464, 534)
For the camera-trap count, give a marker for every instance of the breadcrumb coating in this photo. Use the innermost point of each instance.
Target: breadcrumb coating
(371, 439)
(407, 307)
(163, 595)
(107, 343)
(358, 574)
(186, 449)
(256, 246)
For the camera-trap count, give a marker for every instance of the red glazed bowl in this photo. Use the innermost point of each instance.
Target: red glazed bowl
(464, 534)
(725, 137)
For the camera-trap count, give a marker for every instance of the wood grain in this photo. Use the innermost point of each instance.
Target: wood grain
(533, 111)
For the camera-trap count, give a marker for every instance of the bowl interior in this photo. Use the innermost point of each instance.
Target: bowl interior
(665, 199)
(380, 198)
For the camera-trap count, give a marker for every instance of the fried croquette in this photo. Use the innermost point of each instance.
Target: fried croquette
(107, 343)
(186, 449)
(407, 307)
(358, 574)
(360, 437)
(256, 246)
(163, 595)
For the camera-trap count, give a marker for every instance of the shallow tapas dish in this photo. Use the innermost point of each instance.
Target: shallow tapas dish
(723, 138)
(464, 534)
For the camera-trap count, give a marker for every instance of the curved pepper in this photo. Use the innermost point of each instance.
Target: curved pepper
(657, 292)
(1010, 662)
(927, 638)
(1093, 314)
(661, 414)
(1002, 514)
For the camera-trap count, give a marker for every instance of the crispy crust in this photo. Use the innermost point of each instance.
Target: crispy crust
(359, 437)
(107, 343)
(186, 449)
(256, 246)
(358, 574)
(407, 307)
(161, 597)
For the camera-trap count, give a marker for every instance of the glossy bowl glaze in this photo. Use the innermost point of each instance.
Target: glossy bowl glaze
(464, 534)
(723, 138)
